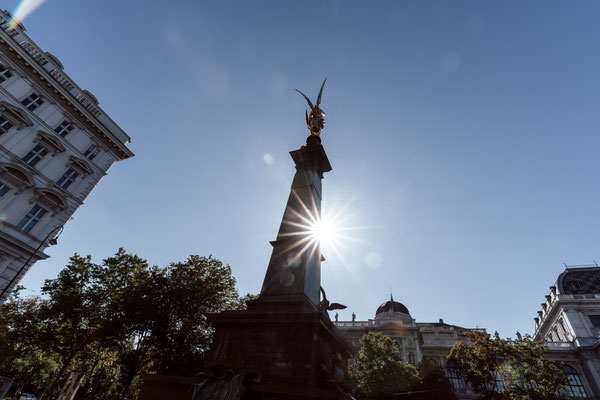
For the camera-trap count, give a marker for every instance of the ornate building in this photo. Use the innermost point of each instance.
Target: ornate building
(418, 341)
(569, 323)
(56, 143)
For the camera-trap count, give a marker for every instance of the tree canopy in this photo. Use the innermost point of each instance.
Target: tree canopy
(379, 369)
(114, 319)
(507, 368)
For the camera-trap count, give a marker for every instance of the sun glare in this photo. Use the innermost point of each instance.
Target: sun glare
(23, 10)
(325, 232)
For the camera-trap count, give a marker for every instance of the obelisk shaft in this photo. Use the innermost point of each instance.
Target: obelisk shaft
(295, 265)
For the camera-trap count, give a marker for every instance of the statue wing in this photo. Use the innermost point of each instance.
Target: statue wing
(336, 306)
(307, 99)
(321, 92)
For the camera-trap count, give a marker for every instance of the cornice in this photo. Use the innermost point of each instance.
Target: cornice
(43, 78)
(21, 246)
(557, 304)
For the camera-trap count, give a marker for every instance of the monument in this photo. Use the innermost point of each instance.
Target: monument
(284, 346)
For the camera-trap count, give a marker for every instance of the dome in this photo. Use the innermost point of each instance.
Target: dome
(392, 306)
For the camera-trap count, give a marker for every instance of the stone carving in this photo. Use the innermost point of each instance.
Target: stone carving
(316, 120)
(224, 385)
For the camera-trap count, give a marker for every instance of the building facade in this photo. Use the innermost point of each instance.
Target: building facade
(56, 143)
(417, 341)
(569, 324)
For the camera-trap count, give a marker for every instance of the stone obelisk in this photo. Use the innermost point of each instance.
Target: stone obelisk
(285, 338)
(294, 270)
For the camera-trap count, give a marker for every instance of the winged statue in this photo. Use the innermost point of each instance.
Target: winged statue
(316, 119)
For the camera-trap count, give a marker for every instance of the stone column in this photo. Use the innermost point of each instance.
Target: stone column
(295, 265)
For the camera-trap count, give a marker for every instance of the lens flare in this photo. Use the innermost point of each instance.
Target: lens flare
(24, 9)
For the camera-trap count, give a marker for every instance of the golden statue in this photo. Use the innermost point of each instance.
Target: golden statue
(316, 120)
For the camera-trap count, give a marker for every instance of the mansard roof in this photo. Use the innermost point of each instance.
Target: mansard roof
(579, 281)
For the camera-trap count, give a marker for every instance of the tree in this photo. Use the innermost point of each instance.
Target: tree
(379, 369)
(506, 368)
(20, 358)
(164, 316)
(433, 383)
(115, 319)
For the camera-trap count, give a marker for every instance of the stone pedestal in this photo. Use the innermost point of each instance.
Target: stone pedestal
(297, 352)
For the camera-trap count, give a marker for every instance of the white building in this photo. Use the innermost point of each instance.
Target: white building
(56, 144)
(569, 323)
(417, 341)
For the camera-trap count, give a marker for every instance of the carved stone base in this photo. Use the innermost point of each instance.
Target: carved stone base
(161, 387)
(296, 349)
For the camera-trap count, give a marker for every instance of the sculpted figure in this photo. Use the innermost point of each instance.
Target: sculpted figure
(316, 119)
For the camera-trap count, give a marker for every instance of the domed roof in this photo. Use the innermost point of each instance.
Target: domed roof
(392, 306)
(580, 281)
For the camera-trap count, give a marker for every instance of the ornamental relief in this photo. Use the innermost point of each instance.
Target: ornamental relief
(16, 178)
(15, 115)
(49, 200)
(80, 165)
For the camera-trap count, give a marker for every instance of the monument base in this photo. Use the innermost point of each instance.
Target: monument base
(295, 350)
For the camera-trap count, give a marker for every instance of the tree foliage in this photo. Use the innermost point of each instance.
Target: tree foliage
(507, 368)
(379, 369)
(113, 320)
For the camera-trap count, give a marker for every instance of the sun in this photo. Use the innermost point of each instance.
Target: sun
(325, 232)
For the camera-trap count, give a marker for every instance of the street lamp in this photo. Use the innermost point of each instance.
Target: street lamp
(52, 242)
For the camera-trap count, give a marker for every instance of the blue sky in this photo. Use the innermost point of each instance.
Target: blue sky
(463, 138)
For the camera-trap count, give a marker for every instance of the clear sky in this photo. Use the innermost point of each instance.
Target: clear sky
(463, 137)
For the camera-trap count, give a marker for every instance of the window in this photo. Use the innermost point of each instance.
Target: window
(3, 189)
(595, 320)
(4, 73)
(64, 128)
(500, 385)
(563, 327)
(31, 218)
(5, 125)
(35, 155)
(91, 152)
(68, 177)
(411, 358)
(574, 387)
(32, 102)
(454, 376)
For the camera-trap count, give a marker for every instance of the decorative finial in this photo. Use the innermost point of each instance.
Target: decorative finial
(316, 120)
(391, 295)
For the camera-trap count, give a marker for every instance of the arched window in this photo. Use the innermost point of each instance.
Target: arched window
(433, 362)
(574, 386)
(454, 376)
